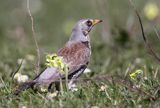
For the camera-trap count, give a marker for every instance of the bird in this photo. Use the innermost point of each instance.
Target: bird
(76, 53)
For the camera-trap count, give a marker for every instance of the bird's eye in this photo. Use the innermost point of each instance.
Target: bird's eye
(89, 23)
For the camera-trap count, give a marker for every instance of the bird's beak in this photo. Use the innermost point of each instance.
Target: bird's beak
(96, 21)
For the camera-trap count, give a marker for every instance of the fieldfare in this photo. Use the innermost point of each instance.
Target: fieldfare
(76, 54)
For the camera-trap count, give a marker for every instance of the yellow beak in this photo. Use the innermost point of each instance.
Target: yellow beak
(96, 21)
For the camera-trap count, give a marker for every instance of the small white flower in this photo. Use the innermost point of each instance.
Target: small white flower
(22, 78)
(74, 89)
(87, 70)
(136, 86)
(103, 88)
(94, 107)
(16, 76)
(23, 107)
(145, 78)
(52, 95)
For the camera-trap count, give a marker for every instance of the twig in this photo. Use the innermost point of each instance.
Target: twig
(150, 49)
(157, 34)
(147, 45)
(140, 91)
(34, 37)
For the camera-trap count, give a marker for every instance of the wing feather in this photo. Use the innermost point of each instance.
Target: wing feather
(76, 55)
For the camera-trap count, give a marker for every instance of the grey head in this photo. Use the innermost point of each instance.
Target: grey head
(82, 28)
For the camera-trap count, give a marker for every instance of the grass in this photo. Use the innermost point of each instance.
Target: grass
(108, 85)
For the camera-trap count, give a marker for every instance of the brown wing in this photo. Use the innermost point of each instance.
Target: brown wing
(76, 55)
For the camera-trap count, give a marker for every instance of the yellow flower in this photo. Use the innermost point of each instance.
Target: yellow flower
(135, 75)
(53, 60)
(151, 10)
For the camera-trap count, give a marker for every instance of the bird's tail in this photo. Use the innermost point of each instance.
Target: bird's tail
(24, 86)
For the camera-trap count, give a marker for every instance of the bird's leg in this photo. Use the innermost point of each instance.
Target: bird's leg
(50, 87)
(57, 86)
(71, 84)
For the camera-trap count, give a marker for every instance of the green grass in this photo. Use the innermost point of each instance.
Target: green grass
(111, 70)
(111, 63)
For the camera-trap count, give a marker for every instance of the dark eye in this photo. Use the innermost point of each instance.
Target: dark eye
(89, 23)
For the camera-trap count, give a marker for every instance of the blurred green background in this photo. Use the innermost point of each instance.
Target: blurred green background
(119, 34)
(54, 20)
(116, 43)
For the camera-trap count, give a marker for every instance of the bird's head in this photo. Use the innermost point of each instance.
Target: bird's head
(82, 28)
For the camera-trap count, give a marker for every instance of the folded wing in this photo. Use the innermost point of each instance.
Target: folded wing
(76, 55)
